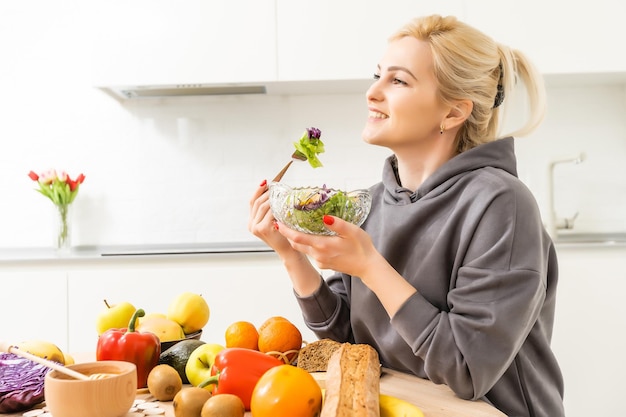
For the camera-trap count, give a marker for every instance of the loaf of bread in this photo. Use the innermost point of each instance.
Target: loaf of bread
(352, 382)
(314, 356)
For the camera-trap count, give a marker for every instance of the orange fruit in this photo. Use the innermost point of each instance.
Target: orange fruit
(270, 321)
(278, 334)
(242, 334)
(286, 390)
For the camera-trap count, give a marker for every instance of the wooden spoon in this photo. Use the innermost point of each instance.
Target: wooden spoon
(6, 347)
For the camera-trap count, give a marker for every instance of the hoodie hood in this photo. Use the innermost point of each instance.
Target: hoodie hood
(499, 154)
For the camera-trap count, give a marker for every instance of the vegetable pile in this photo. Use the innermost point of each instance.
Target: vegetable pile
(21, 383)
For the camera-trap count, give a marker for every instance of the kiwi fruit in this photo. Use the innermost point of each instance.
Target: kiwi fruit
(164, 382)
(223, 405)
(189, 401)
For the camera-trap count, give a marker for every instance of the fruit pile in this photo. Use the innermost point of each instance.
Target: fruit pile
(186, 314)
(139, 338)
(253, 371)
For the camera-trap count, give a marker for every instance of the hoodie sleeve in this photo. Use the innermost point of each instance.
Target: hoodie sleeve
(327, 311)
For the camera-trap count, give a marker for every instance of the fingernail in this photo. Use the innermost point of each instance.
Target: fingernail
(329, 220)
(263, 184)
(275, 226)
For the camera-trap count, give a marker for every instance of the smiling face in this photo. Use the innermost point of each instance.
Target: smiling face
(405, 112)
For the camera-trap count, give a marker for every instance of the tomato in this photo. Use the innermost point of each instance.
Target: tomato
(288, 391)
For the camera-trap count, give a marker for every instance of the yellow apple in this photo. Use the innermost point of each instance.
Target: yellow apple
(43, 349)
(190, 310)
(198, 368)
(165, 329)
(116, 316)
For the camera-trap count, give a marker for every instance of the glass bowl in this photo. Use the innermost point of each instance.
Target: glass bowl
(303, 208)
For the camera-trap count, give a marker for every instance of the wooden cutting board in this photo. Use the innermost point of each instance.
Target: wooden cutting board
(434, 400)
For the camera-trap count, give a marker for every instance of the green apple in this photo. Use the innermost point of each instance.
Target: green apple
(116, 316)
(198, 368)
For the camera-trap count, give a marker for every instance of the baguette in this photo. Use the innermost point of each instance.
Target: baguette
(352, 382)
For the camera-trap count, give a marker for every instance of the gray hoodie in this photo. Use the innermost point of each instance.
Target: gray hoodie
(472, 243)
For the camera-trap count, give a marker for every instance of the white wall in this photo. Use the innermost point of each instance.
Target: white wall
(181, 170)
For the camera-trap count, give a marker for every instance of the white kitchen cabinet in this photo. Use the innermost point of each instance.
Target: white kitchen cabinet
(561, 37)
(590, 329)
(164, 42)
(331, 40)
(251, 288)
(33, 306)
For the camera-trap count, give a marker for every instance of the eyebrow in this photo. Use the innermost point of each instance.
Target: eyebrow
(399, 68)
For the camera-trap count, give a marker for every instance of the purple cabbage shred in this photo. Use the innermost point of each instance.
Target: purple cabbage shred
(21, 383)
(314, 200)
(314, 133)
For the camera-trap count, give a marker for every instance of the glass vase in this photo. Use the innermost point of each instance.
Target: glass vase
(62, 242)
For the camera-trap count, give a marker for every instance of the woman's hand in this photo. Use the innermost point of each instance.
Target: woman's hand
(350, 251)
(304, 277)
(261, 222)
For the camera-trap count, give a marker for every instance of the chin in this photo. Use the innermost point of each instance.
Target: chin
(370, 138)
(368, 135)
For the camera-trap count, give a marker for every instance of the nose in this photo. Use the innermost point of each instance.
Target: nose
(373, 93)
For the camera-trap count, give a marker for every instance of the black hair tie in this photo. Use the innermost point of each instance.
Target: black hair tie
(500, 93)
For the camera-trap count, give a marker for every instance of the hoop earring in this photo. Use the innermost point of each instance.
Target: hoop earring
(442, 129)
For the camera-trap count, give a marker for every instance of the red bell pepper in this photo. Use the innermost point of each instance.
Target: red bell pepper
(237, 370)
(142, 349)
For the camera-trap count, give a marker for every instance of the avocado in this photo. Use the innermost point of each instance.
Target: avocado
(178, 355)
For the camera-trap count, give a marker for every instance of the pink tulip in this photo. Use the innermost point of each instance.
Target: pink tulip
(33, 176)
(48, 177)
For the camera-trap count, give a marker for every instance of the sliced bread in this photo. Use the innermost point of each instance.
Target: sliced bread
(314, 356)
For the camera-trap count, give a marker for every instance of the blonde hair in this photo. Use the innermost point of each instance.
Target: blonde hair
(470, 65)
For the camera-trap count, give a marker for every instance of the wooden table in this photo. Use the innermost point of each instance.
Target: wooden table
(434, 400)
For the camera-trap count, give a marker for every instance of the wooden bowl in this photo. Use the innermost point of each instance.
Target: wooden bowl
(107, 397)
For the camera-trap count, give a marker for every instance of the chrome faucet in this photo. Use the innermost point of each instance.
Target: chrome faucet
(554, 222)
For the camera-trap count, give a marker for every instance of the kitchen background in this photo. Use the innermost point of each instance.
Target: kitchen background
(178, 171)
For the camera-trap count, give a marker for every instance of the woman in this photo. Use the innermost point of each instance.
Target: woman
(452, 277)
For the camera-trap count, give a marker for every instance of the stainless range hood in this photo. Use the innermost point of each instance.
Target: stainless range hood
(131, 92)
(182, 90)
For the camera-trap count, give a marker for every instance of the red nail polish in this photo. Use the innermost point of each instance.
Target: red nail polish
(263, 184)
(329, 220)
(275, 226)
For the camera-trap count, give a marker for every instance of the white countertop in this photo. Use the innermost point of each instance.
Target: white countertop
(86, 253)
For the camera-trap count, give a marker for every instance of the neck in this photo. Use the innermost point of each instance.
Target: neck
(416, 165)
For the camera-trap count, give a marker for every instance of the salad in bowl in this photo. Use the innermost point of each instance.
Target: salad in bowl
(303, 208)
